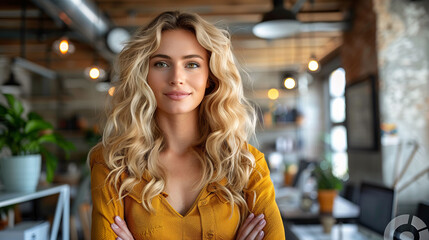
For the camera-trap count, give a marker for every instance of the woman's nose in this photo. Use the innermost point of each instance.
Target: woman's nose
(177, 76)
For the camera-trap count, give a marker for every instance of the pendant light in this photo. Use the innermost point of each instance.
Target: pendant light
(11, 81)
(289, 83)
(277, 23)
(11, 86)
(95, 72)
(313, 64)
(273, 93)
(63, 46)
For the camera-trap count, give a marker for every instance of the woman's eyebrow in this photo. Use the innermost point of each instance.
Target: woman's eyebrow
(193, 56)
(184, 57)
(160, 56)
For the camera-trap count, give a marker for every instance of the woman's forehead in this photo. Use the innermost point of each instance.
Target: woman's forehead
(180, 42)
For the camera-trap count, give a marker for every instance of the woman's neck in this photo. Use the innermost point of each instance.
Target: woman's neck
(180, 131)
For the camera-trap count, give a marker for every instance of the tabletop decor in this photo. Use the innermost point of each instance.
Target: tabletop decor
(328, 186)
(26, 137)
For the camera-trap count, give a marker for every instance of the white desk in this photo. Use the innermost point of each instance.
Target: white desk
(63, 205)
(288, 200)
(338, 232)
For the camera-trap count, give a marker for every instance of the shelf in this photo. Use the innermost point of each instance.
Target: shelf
(62, 210)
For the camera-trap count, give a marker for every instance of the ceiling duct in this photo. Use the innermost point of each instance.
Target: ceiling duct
(82, 16)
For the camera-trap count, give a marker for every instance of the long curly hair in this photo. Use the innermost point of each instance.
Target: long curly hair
(132, 140)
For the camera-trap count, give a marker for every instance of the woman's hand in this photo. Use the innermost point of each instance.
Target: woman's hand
(121, 229)
(252, 228)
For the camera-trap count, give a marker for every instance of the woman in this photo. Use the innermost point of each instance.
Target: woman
(174, 162)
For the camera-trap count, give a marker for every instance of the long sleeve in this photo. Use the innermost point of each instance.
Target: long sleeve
(260, 197)
(104, 199)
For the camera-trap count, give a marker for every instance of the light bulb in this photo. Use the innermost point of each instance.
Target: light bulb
(289, 83)
(64, 46)
(94, 73)
(273, 94)
(313, 65)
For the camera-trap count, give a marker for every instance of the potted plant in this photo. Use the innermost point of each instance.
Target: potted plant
(328, 186)
(289, 173)
(25, 138)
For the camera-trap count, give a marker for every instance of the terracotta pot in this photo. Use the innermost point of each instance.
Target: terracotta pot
(326, 200)
(288, 178)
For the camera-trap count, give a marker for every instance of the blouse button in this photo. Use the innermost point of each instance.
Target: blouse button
(210, 234)
(204, 202)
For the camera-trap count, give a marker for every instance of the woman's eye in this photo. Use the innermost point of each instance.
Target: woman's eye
(192, 65)
(161, 64)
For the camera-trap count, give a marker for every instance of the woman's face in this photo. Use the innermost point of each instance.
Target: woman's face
(178, 72)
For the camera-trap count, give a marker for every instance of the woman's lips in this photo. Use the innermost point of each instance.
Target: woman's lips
(177, 95)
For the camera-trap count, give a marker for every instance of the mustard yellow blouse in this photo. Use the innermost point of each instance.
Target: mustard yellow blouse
(208, 218)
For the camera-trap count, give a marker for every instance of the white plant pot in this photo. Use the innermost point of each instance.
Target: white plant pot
(20, 173)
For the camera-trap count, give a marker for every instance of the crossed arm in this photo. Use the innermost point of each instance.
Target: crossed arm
(250, 230)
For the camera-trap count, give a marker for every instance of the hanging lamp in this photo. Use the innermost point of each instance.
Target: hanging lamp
(277, 23)
(11, 86)
(313, 64)
(63, 46)
(95, 72)
(11, 81)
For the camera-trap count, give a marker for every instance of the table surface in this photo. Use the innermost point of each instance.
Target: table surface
(338, 232)
(288, 200)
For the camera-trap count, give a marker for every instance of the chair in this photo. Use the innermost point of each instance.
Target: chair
(423, 212)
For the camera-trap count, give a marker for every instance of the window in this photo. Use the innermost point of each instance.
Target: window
(337, 117)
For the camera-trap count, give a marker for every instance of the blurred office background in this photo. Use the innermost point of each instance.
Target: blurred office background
(364, 110)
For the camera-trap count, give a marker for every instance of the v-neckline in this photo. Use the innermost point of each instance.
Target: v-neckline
(190, 209)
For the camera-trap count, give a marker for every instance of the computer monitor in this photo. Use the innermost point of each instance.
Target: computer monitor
(376, 207)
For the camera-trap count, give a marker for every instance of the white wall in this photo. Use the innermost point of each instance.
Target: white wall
(403, 59)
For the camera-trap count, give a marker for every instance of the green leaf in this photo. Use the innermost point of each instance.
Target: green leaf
(32, 147)
(50, 137)
(15, 105)
(64, 144)
(34, 116)
(9, 119)
(51, 164)
(326, 179)
(36, 126)
(3, 111)
(59, 141)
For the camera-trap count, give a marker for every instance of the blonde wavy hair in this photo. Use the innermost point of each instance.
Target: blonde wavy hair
(132, 140)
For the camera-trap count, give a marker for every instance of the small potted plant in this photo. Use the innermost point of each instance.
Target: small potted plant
(328, 186)
(25, 137)
(289, 173)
